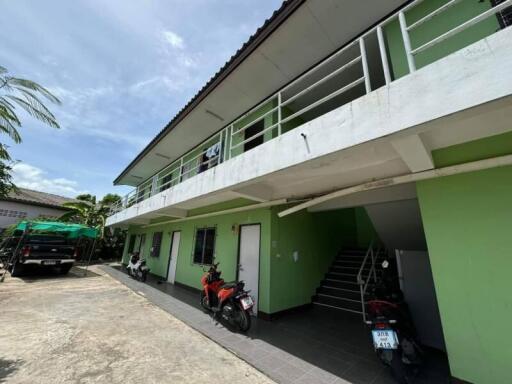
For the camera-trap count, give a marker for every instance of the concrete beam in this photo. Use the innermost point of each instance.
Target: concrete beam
(413, 152)
(173, 212)
(258, 192)
(138, 221)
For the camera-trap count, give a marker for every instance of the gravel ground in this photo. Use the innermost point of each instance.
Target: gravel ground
(94, 330)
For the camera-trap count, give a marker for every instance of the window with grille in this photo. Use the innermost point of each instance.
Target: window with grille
(157, 242)
(204, 246)
(11, 213)
(505, 16)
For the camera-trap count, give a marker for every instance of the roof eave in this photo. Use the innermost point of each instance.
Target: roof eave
(270, 25)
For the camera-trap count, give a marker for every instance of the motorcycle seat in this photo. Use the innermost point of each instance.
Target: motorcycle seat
(229, 285)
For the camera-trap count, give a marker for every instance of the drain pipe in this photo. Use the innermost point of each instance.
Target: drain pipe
(473, 166)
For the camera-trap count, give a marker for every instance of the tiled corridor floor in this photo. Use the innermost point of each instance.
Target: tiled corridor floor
(317, 345)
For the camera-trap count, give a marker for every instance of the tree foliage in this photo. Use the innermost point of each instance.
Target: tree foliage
(29, 96)
(88, 211)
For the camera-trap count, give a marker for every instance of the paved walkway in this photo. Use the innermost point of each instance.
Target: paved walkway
(95, 330)
(318, 346)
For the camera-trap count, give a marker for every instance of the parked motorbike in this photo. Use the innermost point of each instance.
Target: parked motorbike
(137, 267)
(393, 333)
(230, 300)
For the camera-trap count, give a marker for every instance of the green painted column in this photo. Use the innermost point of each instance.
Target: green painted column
(468, 226)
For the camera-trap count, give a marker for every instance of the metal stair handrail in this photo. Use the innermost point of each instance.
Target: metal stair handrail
(363, 282)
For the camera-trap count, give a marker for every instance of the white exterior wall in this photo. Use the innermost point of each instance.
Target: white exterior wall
(32, 212)
(475, 75)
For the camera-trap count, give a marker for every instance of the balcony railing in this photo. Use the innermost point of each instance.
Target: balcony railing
(356, 69)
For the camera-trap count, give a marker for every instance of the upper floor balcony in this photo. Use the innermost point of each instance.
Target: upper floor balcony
(419, 34)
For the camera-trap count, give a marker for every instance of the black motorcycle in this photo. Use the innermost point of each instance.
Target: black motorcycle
(393, 332)
(137, 267)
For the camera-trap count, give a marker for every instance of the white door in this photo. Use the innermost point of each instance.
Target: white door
(173, 256)
(249, 262)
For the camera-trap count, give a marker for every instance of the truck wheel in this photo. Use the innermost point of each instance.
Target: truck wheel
(16, 269)
(64, 269)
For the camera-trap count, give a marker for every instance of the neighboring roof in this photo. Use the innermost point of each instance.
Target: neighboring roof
(29, 196)
(269, 26)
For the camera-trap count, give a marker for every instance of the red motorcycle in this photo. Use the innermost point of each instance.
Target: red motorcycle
(229, 300)
(393, 333)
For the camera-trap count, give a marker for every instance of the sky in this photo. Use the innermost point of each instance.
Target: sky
(122, 69)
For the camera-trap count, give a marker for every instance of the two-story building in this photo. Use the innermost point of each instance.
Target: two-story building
(338, 126)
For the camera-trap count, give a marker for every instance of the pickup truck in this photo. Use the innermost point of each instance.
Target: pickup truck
(38, 249)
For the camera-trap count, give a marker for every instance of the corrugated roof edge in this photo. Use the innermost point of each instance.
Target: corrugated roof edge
(25, 197)
(269, 26)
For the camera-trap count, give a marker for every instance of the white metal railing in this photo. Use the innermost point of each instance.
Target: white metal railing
(364, 281)
(351, 71)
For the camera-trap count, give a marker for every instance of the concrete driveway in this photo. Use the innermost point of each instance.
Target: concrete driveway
(95, 330)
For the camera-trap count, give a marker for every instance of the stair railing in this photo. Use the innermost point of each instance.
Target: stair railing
(363, 281)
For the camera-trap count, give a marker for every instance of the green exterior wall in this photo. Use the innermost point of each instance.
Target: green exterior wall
(468, 221)
(448, 20)
(284, 283)
(317, 238)
(226, 248)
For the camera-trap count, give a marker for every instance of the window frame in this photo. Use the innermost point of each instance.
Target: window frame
(131, 243)
(204, 248)
(156, 248)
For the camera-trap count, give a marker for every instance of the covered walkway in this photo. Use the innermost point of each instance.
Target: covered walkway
(316, 345)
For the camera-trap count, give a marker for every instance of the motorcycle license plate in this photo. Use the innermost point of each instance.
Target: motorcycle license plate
(247, 302)
(385, 339)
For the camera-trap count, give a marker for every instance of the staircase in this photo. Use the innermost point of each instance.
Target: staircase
(340, 289)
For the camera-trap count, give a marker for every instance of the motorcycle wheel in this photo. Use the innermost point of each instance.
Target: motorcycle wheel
(244, 320)
(143, 276)
(398, 368)
(204, 301)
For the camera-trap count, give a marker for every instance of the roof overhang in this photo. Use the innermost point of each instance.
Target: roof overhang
(299, 35)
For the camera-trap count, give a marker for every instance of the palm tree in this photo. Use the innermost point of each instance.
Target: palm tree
(22, 93)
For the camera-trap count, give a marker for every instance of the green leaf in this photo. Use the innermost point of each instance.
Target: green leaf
(33, 86)
(36, 109)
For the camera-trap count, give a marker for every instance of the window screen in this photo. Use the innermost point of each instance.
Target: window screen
(157, 242)
(204, 246)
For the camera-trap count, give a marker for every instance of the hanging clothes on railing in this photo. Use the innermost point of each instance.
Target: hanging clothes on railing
(210, 157)
(213, 151)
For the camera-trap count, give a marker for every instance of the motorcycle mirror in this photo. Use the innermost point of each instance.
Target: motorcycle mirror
(385, 264)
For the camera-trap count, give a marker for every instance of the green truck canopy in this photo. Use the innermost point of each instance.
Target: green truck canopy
(72, 230)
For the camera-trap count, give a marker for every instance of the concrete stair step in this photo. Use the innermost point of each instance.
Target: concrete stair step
(339, 283)
(339, 292)
(337, 302)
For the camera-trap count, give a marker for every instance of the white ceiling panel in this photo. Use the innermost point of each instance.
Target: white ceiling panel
(310, 34)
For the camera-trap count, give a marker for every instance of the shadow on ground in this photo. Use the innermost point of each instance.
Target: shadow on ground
(33, 273)
(333, 341)
(7, 368)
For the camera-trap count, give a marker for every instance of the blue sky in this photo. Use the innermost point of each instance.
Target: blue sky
(122, 69)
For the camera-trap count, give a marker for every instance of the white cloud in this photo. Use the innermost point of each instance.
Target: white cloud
(174, 39)
(28, 176)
